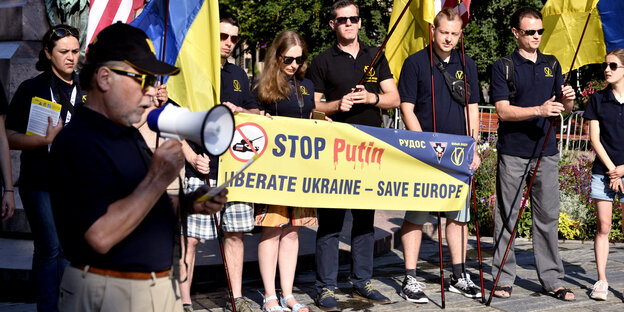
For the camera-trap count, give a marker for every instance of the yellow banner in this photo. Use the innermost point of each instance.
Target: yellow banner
(312, 163)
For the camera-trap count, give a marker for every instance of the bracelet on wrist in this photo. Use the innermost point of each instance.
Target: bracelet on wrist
(377, 101)
(9, 191)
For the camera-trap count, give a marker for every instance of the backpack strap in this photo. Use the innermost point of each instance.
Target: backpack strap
(508, 70)
(552, 61)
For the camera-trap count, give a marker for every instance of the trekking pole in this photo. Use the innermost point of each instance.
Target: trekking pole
(435, 130)
(524, 200)
(552, 121)
(474, 192)
(227, 272)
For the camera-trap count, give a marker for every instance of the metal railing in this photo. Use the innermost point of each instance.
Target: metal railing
(573, 129)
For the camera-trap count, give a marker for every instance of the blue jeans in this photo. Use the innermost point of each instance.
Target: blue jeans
(48, 260)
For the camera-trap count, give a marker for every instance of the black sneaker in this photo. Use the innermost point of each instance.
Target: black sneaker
(369, 293)
(326, 301)
(464, 286)
(412, 290)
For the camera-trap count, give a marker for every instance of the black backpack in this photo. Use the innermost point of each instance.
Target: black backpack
(508, 70)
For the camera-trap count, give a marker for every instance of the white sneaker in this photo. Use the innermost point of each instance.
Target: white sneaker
(600, 290)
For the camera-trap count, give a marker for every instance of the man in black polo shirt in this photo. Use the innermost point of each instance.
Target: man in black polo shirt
(115, 221)
(524, 121)
(451, 117)
(238, 217)
(335, 74)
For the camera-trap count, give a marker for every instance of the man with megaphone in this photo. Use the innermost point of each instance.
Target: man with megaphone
(114, 219)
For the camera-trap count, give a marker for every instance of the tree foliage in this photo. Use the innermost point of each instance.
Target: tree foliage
(488, 35)
(262, 20)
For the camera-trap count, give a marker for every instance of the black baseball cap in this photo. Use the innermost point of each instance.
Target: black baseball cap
(122, 42)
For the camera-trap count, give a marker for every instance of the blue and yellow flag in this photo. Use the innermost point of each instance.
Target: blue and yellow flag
(192, 44)
(612, 23)
(563, 24)
(411, 34)
(310, 163)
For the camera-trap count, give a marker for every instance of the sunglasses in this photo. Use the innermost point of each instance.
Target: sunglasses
(532, 32)
(343, 19)
(234, 39)
(289, 59)
(612, 65)
(147, 81)
(66, 31)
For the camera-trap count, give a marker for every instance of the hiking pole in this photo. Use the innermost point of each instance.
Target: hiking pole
(383, 45)
(524, 200)
(434, 130)
(227, 272)
(552, 121)
(472, 181)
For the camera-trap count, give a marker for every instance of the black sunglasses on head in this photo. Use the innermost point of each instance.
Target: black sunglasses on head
(532, 32)
(289, 59)
(225, 36)
(62, 31)
(343, 19)
(612, 65)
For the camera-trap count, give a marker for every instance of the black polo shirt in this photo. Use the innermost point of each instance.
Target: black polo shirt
(34, 163)
(290, 107)
(334, 72)
(234, 89)
(94, 163)
(535, 83)
(604, 107)
(415, 88)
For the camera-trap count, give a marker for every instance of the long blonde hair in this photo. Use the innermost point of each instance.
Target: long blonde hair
(272, 85)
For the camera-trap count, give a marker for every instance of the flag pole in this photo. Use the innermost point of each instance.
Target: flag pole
(162, 56)
(528, 191)
(435, 130)
(214, 216)
(472, 181)
(383, 45)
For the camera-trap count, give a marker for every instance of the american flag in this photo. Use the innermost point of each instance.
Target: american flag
(463, 8)
(106, 12)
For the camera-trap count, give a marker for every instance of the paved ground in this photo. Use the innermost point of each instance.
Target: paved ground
(577, 256)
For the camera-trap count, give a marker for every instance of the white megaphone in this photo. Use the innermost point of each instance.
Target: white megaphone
(213, 129)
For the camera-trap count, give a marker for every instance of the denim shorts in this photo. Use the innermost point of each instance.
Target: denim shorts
(600, 188)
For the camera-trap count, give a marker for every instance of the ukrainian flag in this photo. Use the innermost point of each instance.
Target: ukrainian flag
(411, 34)
(192, 44)
(563, 24)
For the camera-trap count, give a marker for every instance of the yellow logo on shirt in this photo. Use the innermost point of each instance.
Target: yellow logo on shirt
(548, 72)
(237, 87)
(459, 74)
(370, 77)
(304, 91)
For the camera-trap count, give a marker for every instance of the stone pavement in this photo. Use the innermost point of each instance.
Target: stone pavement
(577, 256)
(578, 261)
